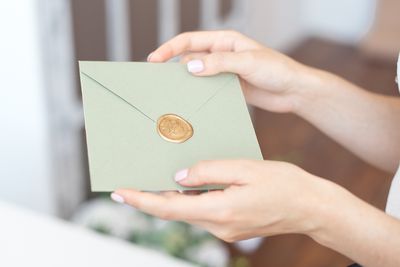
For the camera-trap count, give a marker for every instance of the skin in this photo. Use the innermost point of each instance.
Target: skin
(265, 198)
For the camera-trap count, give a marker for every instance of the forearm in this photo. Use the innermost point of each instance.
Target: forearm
(367, 124)
(357, 230)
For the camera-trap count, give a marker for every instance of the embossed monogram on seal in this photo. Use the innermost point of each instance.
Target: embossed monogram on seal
(174, 129)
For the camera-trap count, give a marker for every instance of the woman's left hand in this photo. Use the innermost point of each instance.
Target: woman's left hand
(261, 198)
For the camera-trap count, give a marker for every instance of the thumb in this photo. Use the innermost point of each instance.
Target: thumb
(214, 63)
(224, 172)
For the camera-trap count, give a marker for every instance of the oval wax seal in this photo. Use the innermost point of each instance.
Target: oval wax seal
(174, 128)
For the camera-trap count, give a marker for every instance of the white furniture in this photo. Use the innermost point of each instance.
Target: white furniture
(31, 239)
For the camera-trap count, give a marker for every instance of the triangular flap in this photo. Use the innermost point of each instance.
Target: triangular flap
(155, 88)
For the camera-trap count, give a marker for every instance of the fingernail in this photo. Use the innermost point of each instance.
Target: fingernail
(149, 56)
(180, 175)
(195, 66)
(117, 198)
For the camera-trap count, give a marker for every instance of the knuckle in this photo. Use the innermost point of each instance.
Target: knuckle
(230, 240)
(227, 236)
(183, 34)
(184, 38)
(224, 233)
(217, 60)
(248, 59)
(250, 56)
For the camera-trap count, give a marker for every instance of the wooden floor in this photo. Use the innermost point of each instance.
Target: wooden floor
(289, 138)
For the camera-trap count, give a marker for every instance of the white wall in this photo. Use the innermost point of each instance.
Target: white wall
(277, 23)
(282, 24)
(341, 20)
(24, 158)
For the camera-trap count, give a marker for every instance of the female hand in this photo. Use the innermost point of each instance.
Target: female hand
(265, 198)
(275, 82)
(262, 198)
(270, 80)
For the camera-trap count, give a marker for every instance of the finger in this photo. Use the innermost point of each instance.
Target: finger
(191, 56)
(203, 41)
(184, 192)
(168, 206)
(228, 172)
(241, 63)
(169, 193)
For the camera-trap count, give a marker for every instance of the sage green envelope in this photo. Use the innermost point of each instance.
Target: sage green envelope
(122, 102)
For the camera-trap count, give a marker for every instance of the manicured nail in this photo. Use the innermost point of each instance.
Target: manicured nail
(149, 56)
(180, 175)
(195, 66)
(117, 198)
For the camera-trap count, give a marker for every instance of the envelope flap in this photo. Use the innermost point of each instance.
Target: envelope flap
(153, 88)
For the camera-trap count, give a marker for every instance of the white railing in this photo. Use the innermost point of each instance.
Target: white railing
(118, 30)
(118, 33)
(65, 110)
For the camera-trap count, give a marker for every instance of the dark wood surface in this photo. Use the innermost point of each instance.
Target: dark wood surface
(287, 137)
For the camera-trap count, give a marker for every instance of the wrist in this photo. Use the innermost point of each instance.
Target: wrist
(332, 213)
(323, 208)
(311, 86)
(350, 226)
(314, 206)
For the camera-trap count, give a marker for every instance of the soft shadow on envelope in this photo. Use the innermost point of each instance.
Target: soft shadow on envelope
(122, 103)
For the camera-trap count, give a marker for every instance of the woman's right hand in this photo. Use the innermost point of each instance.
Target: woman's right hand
(270, 80)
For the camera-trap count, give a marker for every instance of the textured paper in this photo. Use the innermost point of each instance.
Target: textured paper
(123, 100)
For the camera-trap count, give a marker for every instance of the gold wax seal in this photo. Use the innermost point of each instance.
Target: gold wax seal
(173, 128)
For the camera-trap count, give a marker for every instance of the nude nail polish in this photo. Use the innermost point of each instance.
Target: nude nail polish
(180, 175)
(117, 198)
(149, 57)
(195, 66)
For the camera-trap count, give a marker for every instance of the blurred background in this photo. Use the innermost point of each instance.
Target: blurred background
(43, 160)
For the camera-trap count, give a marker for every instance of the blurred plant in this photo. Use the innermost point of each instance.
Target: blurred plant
(178, 239)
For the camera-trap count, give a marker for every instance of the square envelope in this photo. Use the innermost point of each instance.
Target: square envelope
(132, 141)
